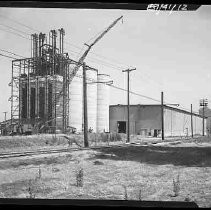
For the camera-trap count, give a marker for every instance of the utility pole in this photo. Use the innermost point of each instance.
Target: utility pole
(128, 102)
(5, 116)
(203, 103)
(191, 120)
(86, 143)
(162, 117)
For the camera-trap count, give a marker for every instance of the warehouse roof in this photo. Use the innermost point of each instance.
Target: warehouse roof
(166, 106)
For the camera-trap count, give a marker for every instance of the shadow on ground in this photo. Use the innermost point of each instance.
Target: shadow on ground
(13, 189)
(178, 156)
(36, 161)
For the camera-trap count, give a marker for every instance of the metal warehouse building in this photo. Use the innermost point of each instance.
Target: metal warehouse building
(145, 120)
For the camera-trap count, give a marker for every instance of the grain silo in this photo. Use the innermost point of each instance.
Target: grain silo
(76, 101)
(97, 101)
(92, 97)
(102, 103)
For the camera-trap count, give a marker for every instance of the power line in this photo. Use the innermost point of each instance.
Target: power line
(131, 92)
(188, 110)
(149, 79)
(7, 56)
(33, 29)
(113, 66)
(106, 63)
(73, 45)
(119, 88)
(118, 68)
(14, 29)
(143, 96)
(12, 53)
(98, 55)
(15, 34)
(79, 54)
(99, 61)
(103, 63)
(94, 60)
(111, 85)
(19, 23)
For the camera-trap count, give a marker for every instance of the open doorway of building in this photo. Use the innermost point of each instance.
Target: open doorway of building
(155, 133)
(121, 126)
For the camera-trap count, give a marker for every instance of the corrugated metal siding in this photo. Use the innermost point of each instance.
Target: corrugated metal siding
(145, 119)
(197, 125)
(149, 118)
(179, 123)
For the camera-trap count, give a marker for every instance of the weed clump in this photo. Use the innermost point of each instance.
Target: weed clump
(125, 193)
(176, 186)
(39, 173)
(139, 195)
(79, 177)
(30, 190)
(115, 137)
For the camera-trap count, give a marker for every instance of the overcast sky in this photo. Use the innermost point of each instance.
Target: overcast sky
(171, 52)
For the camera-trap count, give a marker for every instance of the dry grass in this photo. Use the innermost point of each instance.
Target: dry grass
(135, 173)
(23, 143)
(45, 141)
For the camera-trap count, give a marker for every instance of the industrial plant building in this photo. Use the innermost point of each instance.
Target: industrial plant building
(47, 92)
(47, 96)
(145, 120)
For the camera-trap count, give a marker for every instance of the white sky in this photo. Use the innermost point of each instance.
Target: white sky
(172, 53)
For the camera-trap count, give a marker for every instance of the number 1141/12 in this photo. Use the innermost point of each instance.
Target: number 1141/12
(168, 7)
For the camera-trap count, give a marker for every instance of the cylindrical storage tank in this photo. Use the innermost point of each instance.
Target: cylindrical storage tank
(76, 102)
(103, 94)
(91, 75)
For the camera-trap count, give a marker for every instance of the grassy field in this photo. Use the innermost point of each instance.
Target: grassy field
(137, 172)
(51, 141)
